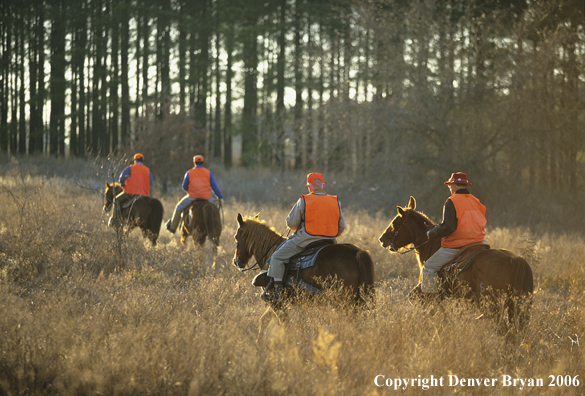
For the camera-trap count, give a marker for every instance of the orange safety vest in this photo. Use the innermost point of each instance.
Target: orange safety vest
(139, 181)
(471, 222)
(199, 185)
(321, 215)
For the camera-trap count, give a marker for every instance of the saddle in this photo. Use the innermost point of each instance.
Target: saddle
(463, 259)
(130, 202)
(304, 259)
(196, 201)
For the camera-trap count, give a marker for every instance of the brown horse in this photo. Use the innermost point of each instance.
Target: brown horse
(496, 278)
(145, 213)
(346, 263)
(202, 220)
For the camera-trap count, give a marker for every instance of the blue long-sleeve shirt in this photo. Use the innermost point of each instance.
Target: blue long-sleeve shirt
(212, 182)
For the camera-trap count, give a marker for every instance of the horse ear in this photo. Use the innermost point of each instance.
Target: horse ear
(257, 217)
(400, 210)
(411, 203)
(107, 184)
(240, 219)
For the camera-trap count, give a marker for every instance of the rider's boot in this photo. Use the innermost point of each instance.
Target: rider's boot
(276, 295)
(168, 227)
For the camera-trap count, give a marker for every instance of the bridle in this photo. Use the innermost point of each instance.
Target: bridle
(108, 201)
(248, 268)
(393, 247)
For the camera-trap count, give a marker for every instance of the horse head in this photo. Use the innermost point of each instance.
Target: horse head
(398, 235)
(254, 238)
(242, 254)
(112, 190)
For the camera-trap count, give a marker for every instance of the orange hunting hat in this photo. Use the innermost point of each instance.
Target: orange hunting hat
(458, 178)
(315, 178)
(198, 158)
(138, 157)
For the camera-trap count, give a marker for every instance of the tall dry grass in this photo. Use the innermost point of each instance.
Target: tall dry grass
(84, 313)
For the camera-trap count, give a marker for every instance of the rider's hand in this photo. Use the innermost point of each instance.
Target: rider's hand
(221, 202)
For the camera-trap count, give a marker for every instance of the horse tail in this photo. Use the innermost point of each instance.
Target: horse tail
(366, 273)
(156, 219)
(208, 212)
(522, 288)
(522, 279)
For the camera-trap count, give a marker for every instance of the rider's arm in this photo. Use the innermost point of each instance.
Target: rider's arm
(151, 181)
(449, 224)
(125, 175)
(295, 216)
(214, 186)
(186, 182)
(341, 225)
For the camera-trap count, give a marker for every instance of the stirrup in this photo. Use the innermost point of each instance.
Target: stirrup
(168, 227)
(274, 296)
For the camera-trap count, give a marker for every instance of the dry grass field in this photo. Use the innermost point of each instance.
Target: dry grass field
(86, 313)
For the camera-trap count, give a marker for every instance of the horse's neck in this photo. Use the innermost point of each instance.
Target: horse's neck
(263, 252)
(427, 250)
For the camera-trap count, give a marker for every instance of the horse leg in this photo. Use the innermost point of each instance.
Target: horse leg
(186, 227)
(214, 255)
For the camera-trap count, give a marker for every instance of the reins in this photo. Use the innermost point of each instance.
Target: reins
(412, 248)
(264, 255)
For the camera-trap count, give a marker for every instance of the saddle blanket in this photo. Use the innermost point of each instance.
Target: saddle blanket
(307, 257)
(464, 258)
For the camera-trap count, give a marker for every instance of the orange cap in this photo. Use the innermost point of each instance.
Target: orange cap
(198, 158)
(315, 178)
(138, 157)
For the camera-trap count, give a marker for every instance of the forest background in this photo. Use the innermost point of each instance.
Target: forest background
(386, 98)
(392, 95)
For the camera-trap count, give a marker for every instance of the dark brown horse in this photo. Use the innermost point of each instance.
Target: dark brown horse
(498, 279)
(346, 263)
(202, 220)
(145, 213)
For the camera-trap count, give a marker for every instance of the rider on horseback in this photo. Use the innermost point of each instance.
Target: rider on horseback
(136, 179)
(315, 216)
(198, 183)
(463, 223)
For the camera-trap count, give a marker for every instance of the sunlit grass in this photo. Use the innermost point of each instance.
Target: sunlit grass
(86, 313)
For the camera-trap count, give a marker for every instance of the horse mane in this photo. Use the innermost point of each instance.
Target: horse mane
(421, 216)
(260, 237)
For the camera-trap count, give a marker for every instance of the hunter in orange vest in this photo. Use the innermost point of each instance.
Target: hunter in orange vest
(136, 180)
(314, 217)
(463, 223)
(198, 183)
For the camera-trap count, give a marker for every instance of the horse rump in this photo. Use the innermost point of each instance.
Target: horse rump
(520, 304)
(367, 292)
(212, 222)
(155, 219)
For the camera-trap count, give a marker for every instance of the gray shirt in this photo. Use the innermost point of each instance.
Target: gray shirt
(296, 221)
